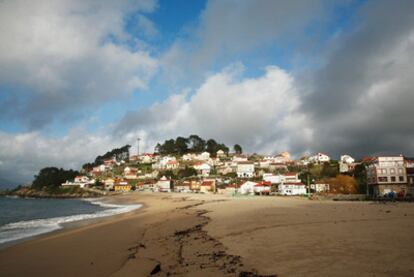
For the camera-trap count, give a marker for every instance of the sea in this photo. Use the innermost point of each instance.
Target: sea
(22, 218)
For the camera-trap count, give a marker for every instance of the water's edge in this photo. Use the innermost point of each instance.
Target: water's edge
(16, 232)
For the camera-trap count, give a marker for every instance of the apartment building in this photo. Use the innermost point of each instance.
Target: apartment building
(386, 174)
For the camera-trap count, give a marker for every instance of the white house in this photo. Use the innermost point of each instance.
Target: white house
(320, 187)
(263, 188)
(292, 189)
(274, 179)
(130, 173)
(79, 181)
(291, 177)
(347, 159)
(203, 169)
(319, 158)
(167, 162)
(247, 188)
(205, 156)
(164, 184)
(245, 169)
(220, 153)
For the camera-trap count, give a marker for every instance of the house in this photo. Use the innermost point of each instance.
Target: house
(274, 179)
(346, 164)
(109, 183)
(220, 154)
(239, 158)
(203, 169)
(247, 188)
(80, 181)
(319, 158)
(208, 186)
(263, 187)
(195, 185)
(130, 173)
(386, 174)
(409, 168)
(183, 187)
(277, 167)
(231, 189)
(122, 186)
(205, 156)
(346, 159)
(164, 184)
(166, 163)
(291, 177)
(147, 158)
(245, 169)
(319, 187)
(292, 189)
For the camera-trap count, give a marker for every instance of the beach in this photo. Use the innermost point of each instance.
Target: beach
(215, 235)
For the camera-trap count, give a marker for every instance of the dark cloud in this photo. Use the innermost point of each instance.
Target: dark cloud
(362, 98)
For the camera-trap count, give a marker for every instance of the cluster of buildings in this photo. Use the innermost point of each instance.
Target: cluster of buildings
(243, 174)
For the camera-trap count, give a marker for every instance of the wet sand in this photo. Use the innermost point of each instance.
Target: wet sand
(211, 235)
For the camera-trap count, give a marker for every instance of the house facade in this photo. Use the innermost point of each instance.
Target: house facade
(386, 174)
(245, 169)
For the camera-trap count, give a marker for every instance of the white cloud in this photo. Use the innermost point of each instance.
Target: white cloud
(262, 114)
(65, 55)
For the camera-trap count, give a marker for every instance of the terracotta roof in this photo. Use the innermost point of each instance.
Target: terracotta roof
(263, 184)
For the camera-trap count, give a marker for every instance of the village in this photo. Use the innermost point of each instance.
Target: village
(239, 174)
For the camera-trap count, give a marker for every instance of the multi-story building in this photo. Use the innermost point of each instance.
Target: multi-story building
(386, 174)
(245, 169)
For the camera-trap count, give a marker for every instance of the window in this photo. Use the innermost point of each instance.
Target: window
(401, 178)
(384, 171)
(400, 170)
(392, 171)
(382, 179)
(393, 178)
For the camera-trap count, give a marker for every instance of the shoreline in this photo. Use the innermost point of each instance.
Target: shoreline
(65, 226)
(212, 235)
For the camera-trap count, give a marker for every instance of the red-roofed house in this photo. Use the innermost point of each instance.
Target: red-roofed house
(208, 186)
(263, 187)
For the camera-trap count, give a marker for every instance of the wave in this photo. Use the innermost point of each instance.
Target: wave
(28, 228)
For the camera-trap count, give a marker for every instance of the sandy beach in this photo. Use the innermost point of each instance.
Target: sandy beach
(212, 235)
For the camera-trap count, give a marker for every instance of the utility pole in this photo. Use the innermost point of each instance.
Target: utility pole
(138, 140)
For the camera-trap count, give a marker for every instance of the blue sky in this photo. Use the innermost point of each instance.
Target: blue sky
(80, 77)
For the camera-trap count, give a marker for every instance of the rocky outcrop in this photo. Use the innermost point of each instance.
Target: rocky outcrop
(59, 193)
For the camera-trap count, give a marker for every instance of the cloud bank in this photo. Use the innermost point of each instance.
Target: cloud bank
(59, 58)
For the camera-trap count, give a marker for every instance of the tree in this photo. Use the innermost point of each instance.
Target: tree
(329, 170)
(238, 149)
(52, 177)
(342, 184)
(181, 145)
(212, 147)
(197, 144)
(360, 175)
(118, 154)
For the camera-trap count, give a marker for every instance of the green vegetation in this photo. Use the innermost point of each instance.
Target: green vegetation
(52, 177)
(237, 149)
(187, 172)
(117, 153)
(192, 144)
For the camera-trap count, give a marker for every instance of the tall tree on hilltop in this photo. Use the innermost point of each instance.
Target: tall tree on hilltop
(238, 149)
(197, 144)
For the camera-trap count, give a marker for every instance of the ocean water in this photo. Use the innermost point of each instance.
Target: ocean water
(22, 217)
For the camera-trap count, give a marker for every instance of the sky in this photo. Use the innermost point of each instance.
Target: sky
(79, 77)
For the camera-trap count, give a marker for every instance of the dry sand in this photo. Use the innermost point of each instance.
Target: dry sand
(210, 235)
